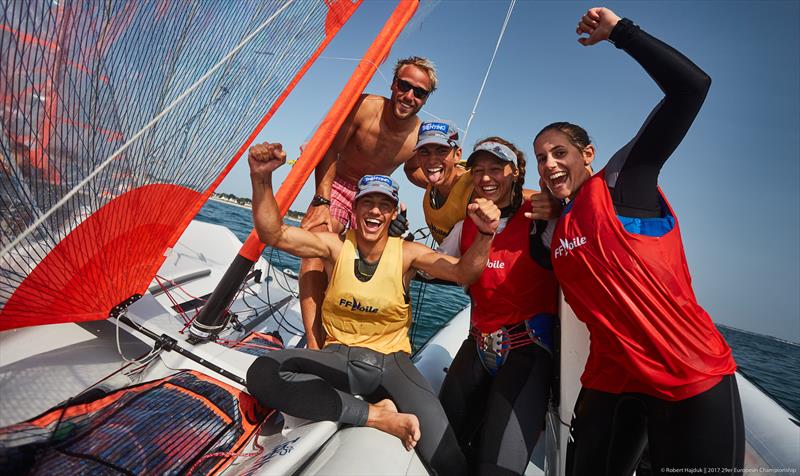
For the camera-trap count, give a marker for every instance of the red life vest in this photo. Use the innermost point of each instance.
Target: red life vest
(634, 292)
(513, 287)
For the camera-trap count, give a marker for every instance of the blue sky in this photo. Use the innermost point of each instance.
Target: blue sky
(735, 180)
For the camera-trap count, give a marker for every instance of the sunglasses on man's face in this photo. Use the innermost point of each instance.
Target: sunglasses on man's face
(404, 86)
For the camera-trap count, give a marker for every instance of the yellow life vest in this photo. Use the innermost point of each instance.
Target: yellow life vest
(372, 314)
(441, 220)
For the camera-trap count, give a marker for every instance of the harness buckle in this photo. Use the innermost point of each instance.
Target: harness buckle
(493, 347)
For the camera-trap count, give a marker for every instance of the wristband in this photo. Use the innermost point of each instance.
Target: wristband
(622, 33)
(319, 200)
(483, 233)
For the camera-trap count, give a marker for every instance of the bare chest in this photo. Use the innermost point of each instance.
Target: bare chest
(373, 151)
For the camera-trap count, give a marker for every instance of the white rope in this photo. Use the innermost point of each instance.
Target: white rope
(486, 77)
(342, 58)
(144, 129)
(146, 359)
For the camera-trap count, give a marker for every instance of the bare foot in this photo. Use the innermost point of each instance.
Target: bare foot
(385, 417)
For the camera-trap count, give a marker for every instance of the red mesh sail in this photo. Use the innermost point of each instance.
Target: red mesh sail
(118, 120)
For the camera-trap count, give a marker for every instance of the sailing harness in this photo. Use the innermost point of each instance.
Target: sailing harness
(493, 347)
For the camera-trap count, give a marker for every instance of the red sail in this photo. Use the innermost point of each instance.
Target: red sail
(118, 120)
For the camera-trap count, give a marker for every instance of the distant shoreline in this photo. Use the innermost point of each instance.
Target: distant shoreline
(248, 207)
(228, 202)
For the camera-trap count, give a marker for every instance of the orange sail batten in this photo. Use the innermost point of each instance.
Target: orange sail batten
(323, 138)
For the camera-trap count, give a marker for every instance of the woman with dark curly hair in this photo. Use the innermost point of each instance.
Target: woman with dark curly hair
(658, 373)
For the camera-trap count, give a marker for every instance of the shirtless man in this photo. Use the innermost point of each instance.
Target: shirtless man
(377, 137)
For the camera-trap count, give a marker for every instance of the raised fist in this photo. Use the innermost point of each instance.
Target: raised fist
(485, 214)
(543, 205)
(597, 23)
(265, 158)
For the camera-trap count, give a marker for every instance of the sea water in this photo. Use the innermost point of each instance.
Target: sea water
(771, 363)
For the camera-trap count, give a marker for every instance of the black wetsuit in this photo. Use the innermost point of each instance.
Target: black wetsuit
(609, 431)
(498, 419)
(319, 385)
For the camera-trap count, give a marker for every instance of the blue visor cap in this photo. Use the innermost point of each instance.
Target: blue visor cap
(501, 151)
(438, 132)
(378, 184)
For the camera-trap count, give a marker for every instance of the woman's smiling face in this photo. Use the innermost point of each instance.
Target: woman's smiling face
(561, 164)
(493, 178)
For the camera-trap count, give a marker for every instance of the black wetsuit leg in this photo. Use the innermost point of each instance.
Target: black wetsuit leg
(464, 393)
(409, 390)
(318, 385)
(607, 435)
(498, 419)
(705, 431)
(310, 384)
(609, 431)
(515, 411)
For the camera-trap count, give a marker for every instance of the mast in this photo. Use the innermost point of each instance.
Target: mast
(213, 317)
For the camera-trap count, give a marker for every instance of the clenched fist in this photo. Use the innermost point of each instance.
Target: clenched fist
(485, 214)
(264, 159)
(597, 23)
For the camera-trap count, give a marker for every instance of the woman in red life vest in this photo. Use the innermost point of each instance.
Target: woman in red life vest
(496, 391)
(658, 373)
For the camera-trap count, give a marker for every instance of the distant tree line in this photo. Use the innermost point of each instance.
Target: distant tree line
(233, 198)
(295, 215)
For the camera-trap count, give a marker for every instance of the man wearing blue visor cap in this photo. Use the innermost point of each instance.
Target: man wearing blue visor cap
(378, 184)
(366, 315)
(449, 185)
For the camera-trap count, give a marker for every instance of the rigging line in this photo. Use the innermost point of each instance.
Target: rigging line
(286, 51)
(144, 129)
(278, 310)
(142, 360)
(295, 331)
(377, 66)
(219, 93)
(489, 69)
